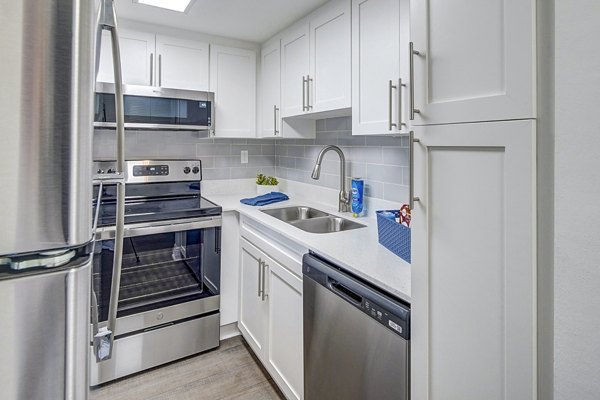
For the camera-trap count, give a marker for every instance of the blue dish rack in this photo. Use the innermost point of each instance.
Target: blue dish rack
(394, 236)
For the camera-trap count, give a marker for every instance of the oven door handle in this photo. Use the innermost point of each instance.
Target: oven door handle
(152, 228)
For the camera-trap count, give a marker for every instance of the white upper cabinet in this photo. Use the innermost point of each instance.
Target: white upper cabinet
(380, 37)
(271, 89)
(476, 60)
(316, 63)
(330, 60)
(295, 69)
(137, 57)
(181, 64)
(473, 321)
(156, 60)
(272, 124)
(233, 79)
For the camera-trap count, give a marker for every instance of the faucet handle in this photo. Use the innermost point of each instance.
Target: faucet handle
(344, 203)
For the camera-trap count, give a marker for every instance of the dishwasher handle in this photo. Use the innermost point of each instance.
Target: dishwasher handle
(344, 292)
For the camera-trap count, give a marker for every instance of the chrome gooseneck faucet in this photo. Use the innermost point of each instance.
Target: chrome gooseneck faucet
(344, 201)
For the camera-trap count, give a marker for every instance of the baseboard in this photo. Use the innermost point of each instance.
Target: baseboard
(229, 331)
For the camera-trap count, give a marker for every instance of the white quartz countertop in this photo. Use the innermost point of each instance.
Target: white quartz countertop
(356, 250)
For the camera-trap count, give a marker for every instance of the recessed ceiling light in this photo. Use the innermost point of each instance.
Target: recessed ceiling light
(173, 5)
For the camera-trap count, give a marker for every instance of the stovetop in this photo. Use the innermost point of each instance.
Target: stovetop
(156, 191)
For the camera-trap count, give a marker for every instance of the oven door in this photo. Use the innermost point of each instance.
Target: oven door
(170, 273)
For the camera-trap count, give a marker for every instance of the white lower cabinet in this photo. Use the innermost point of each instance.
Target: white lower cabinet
(285, 350)
(253, 308)
(271, 317)
(473, 324)
(230, 273)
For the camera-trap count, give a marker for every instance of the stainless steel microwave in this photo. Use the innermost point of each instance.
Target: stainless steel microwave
(155, 108)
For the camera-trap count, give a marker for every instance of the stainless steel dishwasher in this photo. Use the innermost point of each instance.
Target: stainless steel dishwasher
(356, 338)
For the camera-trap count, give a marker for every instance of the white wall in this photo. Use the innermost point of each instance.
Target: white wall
(577, 201)
(185, 34)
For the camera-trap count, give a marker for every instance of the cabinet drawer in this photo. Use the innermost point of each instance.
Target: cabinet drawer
(280, 248)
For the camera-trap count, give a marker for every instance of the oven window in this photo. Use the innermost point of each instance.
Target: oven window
(159, 270)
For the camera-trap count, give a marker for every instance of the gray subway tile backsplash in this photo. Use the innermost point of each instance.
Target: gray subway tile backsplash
(382, 161)
(252, 149)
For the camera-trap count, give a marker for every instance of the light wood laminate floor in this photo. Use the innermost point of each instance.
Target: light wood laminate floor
(229, 372)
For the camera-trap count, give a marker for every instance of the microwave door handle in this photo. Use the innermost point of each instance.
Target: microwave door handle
(104, 338)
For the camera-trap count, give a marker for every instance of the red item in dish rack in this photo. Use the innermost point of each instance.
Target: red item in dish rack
(405, 215)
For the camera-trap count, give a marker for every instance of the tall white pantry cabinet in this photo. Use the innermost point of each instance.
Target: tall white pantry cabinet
(471, 106)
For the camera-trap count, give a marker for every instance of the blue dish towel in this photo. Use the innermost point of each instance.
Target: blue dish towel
(263, 200)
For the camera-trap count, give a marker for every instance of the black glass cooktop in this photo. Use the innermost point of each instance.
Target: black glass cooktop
(149, 202)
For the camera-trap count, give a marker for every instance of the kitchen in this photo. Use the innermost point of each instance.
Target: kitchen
(407, 235)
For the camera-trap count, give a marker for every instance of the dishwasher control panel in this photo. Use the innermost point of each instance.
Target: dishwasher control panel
(384, 317)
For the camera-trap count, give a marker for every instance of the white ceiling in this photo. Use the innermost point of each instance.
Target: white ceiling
(251, 20)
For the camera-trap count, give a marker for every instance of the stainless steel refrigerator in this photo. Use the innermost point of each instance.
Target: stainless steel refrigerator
(47, 76)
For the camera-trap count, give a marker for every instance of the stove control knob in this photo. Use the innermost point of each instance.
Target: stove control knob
(110, 171)
(186, 170)
(100, 171)
(196, 170)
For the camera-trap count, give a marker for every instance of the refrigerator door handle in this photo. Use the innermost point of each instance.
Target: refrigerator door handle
(103, 337)
(97, 213)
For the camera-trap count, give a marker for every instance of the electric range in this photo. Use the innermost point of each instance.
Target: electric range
(169, 288)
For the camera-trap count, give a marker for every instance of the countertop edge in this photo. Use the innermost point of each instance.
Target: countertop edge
(231, 203)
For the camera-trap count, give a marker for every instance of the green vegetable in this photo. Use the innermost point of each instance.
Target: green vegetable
(266, 180)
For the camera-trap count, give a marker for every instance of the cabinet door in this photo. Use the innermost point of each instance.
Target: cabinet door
(285, 354)
(230, 268)
(233, 79)
(473, 315)
(137, 57)
(271, 89)
(476, 62)
(380, 30)
(330, 61)
(181, 64)
(294, 69)
(253, 308)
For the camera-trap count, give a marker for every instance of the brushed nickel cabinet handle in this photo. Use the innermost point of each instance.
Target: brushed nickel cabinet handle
(275, 130)
(259, 276)
(400, 86)
(411, 174)
(304, 107)
(160, 70)
(308, 81)
(264, 274)
(391, 86)
(151, 69)
(411, 56)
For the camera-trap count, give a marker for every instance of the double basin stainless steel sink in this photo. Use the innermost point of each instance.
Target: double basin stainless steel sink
(312, 220)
